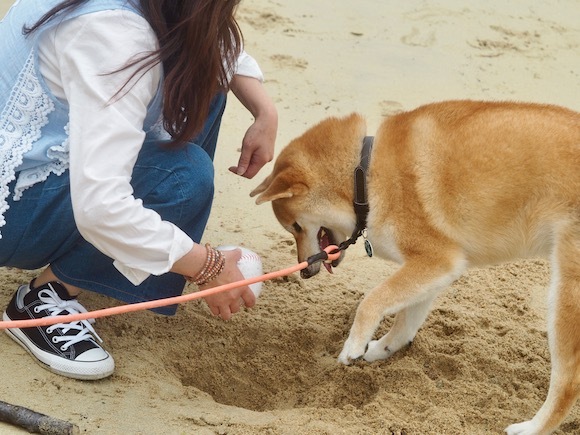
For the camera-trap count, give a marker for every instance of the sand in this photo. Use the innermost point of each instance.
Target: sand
(481, 360)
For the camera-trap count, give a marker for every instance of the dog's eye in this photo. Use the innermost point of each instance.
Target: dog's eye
(296, 227)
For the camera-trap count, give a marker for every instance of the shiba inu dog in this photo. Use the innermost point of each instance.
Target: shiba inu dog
(446, 186)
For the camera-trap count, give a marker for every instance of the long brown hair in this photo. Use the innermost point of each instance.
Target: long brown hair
(199, 42)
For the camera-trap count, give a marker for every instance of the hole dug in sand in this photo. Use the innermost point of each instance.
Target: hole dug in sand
(282, 369)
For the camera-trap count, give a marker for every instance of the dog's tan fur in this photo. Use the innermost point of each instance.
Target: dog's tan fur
(451, 185)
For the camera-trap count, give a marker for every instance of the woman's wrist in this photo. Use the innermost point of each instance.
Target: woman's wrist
(193, 263)
(213, 266)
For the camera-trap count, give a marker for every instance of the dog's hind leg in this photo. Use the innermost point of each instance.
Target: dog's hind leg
(407, 323)
(564, 338)
(410, 290)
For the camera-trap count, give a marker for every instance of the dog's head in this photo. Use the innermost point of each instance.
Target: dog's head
(311, 187)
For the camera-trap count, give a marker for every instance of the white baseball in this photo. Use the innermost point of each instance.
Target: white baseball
(250, 264)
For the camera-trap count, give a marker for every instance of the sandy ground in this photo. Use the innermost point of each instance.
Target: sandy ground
(481, 360)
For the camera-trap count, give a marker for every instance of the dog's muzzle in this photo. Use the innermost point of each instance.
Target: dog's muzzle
(325, 238)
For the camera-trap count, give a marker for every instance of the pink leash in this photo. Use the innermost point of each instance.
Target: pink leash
(330, 253)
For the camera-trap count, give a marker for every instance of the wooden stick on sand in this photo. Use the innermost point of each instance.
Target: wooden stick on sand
(35, 422)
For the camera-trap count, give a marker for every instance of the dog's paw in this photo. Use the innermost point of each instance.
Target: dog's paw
(350, 352)
(344, 359)
(524, 428)
(376, 351)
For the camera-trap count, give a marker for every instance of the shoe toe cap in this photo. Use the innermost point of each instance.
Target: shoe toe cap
(96, 354)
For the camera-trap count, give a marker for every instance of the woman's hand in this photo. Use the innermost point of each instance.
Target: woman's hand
(226, 303)
(259, 140)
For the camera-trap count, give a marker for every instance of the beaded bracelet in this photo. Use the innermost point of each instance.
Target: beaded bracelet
(213, 266)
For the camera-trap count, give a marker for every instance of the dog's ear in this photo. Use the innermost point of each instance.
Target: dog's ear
(263, 186)
(277, 187)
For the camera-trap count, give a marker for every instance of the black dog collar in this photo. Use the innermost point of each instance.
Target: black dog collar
(361, 203)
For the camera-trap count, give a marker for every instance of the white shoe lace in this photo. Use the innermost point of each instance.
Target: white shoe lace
(56, 306)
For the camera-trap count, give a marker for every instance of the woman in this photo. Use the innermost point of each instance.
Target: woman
(109, 115)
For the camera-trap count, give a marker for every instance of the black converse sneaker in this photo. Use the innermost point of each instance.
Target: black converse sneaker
(68, 349)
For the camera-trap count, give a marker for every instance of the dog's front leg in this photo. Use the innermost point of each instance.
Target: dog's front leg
(407, 323)
(411, 289)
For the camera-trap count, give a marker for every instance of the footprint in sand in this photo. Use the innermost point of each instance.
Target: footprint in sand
(527, 43)
(418, 38)
(284, 61)
(389, 108)
(264, 20)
